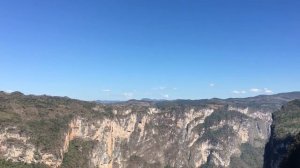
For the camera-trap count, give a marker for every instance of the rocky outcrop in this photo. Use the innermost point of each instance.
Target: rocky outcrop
(205, 133)
(16, 146)
(281, 150)
(165, 138)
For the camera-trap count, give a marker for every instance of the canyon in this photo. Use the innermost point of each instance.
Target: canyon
(49, 131)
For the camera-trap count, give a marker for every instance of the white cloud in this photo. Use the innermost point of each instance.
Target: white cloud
(268, 91)
(162, 88)
(239, 92)
(212, 85)
(128, 95)
(255, 90)
(106, 90)
(236, 92)
(165, 96)
(159, 88)
(243, 92)
(265, 90)
(8, 91)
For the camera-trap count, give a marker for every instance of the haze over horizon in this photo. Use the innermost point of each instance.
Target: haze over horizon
(119, 50)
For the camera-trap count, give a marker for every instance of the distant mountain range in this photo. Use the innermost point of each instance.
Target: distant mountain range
(49, 131)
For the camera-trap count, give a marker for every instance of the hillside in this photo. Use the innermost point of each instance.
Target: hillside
(45, 131)
(283, 148)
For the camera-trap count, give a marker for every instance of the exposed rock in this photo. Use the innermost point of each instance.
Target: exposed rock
(135, 134)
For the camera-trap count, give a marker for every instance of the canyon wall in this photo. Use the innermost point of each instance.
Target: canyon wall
(206, 133)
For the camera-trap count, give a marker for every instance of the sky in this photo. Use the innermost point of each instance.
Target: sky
(159, 49)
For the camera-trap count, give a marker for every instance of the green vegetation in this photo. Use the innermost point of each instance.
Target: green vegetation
(220, 115)
(252, 156)
(168, 166)
(284, 144)
(180, 106)
(287, 120)
(214, 119)
(7, 117)
(48, 134)
(10, 164)
(208, 165)
(45, 119)
(78, 154)
(292, 157)
(136, 161)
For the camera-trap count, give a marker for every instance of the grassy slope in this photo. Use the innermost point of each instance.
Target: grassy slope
(287, 120)
(78, 154)
(9, 164)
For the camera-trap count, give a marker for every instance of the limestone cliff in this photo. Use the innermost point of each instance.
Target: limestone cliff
(182, 133)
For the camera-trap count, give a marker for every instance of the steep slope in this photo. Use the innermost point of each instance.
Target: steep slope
(52, 131)
(283, 148)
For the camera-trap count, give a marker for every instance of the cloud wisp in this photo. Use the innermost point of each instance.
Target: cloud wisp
(166, 96)
(159, 88)
(264, 90)
(106, 90)
(128, 95)
(212, 85)
(254, 90)
(268, 91)
(239, 92)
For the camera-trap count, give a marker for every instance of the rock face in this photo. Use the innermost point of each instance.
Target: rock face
(181, 133)
(283, 147)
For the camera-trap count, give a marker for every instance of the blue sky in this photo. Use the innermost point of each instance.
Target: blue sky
(191, 49)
